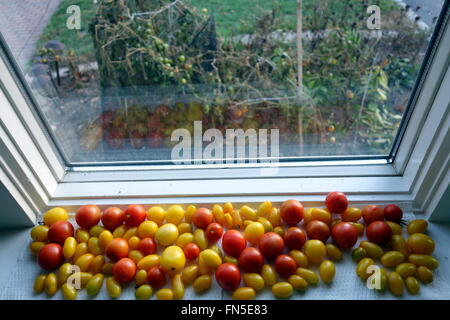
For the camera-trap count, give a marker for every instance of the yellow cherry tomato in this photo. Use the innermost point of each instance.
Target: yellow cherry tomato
(131, 232)
(156, 214)
(228, 207)
(297, 282)
(264, 209)
(143, 292)
(69, 292)
(184, 227)
(97, 264)
(120, 231)
(114, 288)
(333, 252)
(315, 250)
(211, 258)
(228, 221)
(243, 293)
(82, 248)
(36, 246)
(202, 283)
(254, 280)
(274, 217)
(95, 231)
(351, 215)
(237, 219)
(373, 250)
(423, 260)
(398, 243)
(135, 255)
(266, 224)
(310, 276)
(184, 239)
(167, 234)
(55, 215)
(412, 285)
(424, 274)
(84, 277)
(148, 262)
(164, 294)
(105, 238)
(94, 285)
(141, 277)
(279, 230)
(175, 214)
(420, 243)
(64, 271)
(231, 259)
(321, 215)
(327, 270)
(218, 213)
(39, 233)
(269, 275)
(177, 287)
(395, 283)
(147, 229)
(200, 239)
(133, 242)
(417, 226)
(39, 283)
(203, 268)
(190, 210)
(248, 213)
(173, 260)
(51, 284)
(253, 232)
(395, 227)
(361, 268)
(392, 259)
(300, 258)
(82, 235)
(406, 269)
(189, 274)
(282, 290)
(107, 268)
(94, 246)
(84, 262)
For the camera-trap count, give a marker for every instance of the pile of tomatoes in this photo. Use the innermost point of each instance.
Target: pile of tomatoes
(163, 251)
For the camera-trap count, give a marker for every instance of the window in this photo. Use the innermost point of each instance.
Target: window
(195, 82)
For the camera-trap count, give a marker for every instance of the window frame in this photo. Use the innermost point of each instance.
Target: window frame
(34, 171)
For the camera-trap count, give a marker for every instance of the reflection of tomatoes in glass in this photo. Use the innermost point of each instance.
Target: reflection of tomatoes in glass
(294, 238)
(271, 245)
(134, 215)
(214, 232)
(191, 251)
(124, 270)
(318, 230)
(233, 243)
(336, 202)
(156, 277)
(285, 265)
(50, 256)
(202, 218)
(251, 260)
(291, 212)
(88, 216)
(379, 232)
(345, 235)
(228, 276)
(59, 231)
(372, 213)
(112, 217)
(147, 246)
(117, 249)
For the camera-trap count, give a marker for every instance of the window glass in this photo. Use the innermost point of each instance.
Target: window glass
(200, 81)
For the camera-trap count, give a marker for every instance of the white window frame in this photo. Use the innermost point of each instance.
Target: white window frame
(35, 174)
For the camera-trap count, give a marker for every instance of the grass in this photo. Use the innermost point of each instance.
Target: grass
(232, 17)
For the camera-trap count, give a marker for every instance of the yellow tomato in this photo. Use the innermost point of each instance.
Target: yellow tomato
(94, 246)
(184, 227)
(147, 229)
(156, 214)
(253, 232)
(352, 215)
(133, 242)
(190, 210)
(164, 294)
(184, 239)
(248, 213)
(218, 213)
(55, 215)
(200, 239)
(105, 238)
(82, 235)
(315, 250)
(243, 293)
(167, 234)
(39, 233)
(264, 209)
(70, 245)
(173, 260)
(120, 231)
(211, 258)
(175, 214)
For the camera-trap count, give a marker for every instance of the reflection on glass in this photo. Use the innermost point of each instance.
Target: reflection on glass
(116, 78)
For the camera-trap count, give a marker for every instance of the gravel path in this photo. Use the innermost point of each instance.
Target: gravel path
(21, 24)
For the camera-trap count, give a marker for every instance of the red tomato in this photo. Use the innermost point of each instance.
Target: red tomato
(112, 218)
(191, 251)
(285, 265)
(202, 218)
(294, 238)
(251, 260)
(59, 231)
(271, 245)
(336, 202)
(134, 215)
(233, 243)
(318, 230)
(291, 212)
(393, 213)
(88, 216)
(379, 232)
(228, 276)
(214, 231)
(50, 256)
(124, 270)
(117, 249)
(345, 235)
(156, 277)
(372, 213)
(147, 246)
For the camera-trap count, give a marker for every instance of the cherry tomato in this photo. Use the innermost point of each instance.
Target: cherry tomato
(117, 249)
(112, 218)
(202, 218)
(294, 238)
(345, 235)
(271, 245)
(88, 216)
(214, 231)
(51, 256)
(251, 260)
(59, 231)
(291, 212)
(147, 246)
(372, 213)
(233, 243)
(156, 277)
(336, 202)
(134, 215)
(124, 270)
(191, 251)
(318, 230)
(393, 213)
(228, 276)
(285, 265)
(379, 232)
